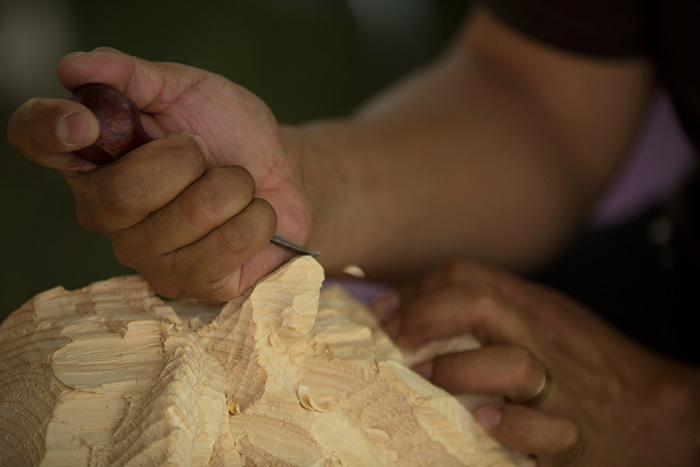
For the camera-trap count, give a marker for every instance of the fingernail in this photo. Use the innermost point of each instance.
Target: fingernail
(386, 307)
(489, 416)
(104, 48)
(201, 143)
(73, 130)
(425, 369)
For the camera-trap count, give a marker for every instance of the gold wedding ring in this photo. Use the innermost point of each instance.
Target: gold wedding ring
(542, 391)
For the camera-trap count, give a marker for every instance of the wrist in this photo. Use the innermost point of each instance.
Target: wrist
(324, 184)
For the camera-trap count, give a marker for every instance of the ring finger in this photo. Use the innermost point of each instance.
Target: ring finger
(504, 370)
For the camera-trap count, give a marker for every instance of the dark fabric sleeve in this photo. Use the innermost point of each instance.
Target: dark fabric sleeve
(611, 28)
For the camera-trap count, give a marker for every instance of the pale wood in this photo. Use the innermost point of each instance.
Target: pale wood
(111, 375)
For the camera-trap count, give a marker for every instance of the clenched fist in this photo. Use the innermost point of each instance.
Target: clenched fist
(192, 211)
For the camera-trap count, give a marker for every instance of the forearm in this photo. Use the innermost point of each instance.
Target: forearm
(497, 151)
(438, 171)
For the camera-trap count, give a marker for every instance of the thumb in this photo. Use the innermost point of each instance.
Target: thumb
(46, 130)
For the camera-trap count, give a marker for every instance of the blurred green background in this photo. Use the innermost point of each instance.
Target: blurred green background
(306, 58)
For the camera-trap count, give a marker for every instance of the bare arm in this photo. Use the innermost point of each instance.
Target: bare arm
(496, 151)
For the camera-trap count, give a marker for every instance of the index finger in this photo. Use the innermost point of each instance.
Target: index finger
(47, 130)
(153, 86)
(476, 308)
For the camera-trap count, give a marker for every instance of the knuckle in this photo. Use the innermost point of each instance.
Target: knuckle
(190, 154)
(120, 195)
(242, 179)
(486, 298)
(177, 269)
(179, 151)
(218, 191)
(202, 203)
(462, 270)
(169, 289)
(181, 288)
(233, 237)
(128, 254)
(125, 256)
(85, 217)
(253, 228)
(180, 277)
(525, 366)
(168, 282)
(457, 271)
(218, 290)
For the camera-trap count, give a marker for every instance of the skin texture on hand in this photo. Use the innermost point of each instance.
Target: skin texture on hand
(194, 210)
(485, 153)
(611, 403)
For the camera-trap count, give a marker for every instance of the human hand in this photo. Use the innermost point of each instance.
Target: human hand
(193, 211)
(610, 401)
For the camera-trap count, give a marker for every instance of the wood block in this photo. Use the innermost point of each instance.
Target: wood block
(284, 375)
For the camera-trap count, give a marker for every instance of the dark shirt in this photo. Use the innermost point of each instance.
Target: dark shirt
(650, 291)
(666, 31)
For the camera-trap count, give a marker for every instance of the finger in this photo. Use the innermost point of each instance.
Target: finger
(104, 65)
(46, 130)
(207, 269)
(210, 201)
(520, 291)
(153, 86)
(474, 308)
(119, 195)
(530, 431)
(457, 272)
(387, 306)
(466, 272)
(502, 370)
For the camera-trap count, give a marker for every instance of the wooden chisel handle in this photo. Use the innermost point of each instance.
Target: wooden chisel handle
(120, 123)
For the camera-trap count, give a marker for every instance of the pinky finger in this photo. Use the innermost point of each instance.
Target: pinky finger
(530, 431)
(209, 269)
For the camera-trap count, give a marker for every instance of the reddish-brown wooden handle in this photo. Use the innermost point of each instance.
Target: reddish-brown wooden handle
(120, 123)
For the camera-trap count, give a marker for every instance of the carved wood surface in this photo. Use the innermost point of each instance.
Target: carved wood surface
(284, 375)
